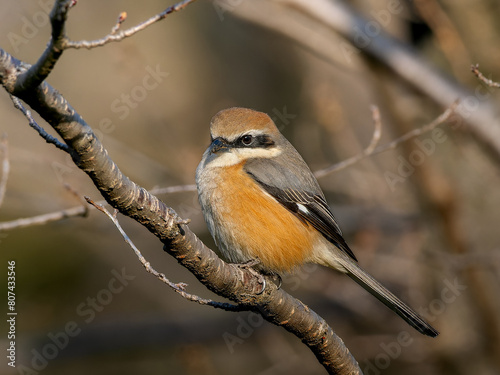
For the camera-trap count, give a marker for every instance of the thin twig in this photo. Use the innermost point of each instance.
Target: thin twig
(116, 37)
(371, 150)
(4, 150)
(43, 219)
(41, 131)
(443, 117)
(377, 133)
(478, 74)
(121, 18)
(178, 287)
(80, 210)
(173, 189)
(79, 197)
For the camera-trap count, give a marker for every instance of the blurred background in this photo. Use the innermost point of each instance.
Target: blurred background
(422, 218)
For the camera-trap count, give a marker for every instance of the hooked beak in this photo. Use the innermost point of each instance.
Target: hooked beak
(217, 145)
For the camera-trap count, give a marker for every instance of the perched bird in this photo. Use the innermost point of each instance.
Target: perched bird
(262, 204)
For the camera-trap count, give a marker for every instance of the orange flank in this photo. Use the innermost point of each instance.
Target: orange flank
(259, 226)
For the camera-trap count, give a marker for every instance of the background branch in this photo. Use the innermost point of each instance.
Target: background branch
(116, 36)
(401, 58)
(373, 150)
(478, 74)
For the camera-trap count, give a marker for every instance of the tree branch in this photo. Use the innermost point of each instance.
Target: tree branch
(81, 210)
(475, 69)
(41, 131)
(227, 280)
(116, 37)
(377, 133)
(37, 73)
(372, 150)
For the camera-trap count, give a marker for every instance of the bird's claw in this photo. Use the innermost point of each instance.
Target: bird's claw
(248, 266)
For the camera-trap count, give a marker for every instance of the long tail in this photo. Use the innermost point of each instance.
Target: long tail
(388, 299)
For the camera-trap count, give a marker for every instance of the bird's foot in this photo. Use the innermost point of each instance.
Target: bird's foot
(249, 266)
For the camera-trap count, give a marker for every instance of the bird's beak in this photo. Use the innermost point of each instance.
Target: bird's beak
(217, 145)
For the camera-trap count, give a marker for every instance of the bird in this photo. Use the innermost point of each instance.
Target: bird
(264, 207)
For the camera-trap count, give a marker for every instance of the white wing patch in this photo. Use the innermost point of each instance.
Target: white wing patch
(302, 208)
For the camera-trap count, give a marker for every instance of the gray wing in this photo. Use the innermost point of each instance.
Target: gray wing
(300, 193)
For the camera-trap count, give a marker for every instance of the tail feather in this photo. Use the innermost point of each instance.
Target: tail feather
(389, 299)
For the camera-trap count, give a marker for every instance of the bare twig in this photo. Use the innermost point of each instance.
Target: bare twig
(372, 150)
(377, 131)
(33, 75)
(41, 131)
(116, 37)
(121, 18)
(178, 287)
(443, 117)
(487, 81)
(80, 210)
(4, 150)
(173, 189)
(43, 219)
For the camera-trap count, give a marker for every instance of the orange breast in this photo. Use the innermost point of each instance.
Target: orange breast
(255, 225)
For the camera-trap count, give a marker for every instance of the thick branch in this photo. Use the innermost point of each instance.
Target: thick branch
(224, 279)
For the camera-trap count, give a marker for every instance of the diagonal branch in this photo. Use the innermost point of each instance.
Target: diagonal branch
(226, 280)
(475, 69)
(41, 131)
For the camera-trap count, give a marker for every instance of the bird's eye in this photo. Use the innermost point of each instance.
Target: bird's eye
(247, 139)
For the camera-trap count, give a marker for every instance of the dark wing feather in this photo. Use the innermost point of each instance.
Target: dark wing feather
(313, 209)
